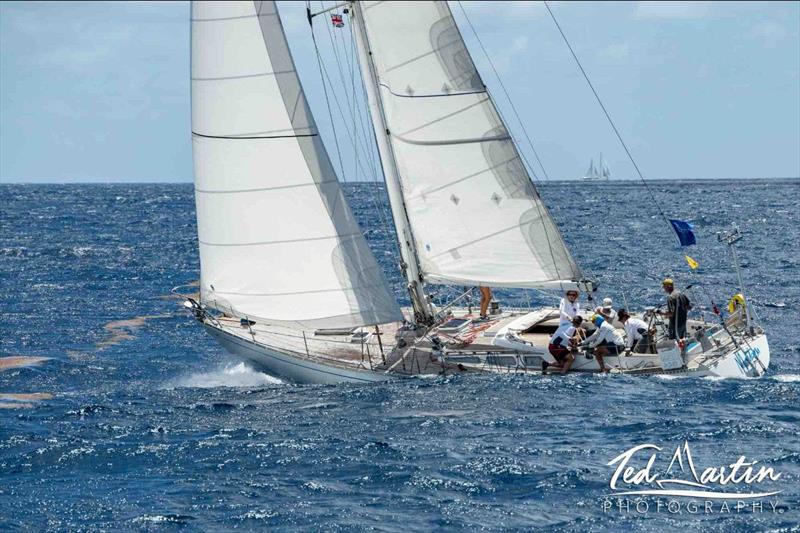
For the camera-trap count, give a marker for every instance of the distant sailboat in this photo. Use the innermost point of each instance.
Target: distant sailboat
(287, 280)
(600, 172)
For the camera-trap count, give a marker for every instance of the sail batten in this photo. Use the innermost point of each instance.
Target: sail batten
(474, 213)
(278, 242)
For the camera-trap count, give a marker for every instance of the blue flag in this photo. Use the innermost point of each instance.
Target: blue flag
(684, 231)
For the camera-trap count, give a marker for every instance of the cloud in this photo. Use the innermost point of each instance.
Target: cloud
(672, 10)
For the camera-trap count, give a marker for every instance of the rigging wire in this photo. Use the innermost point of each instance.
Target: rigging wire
(326, 76)
(622, 142)
(352, 107)
(608, 115)
(327, 100)
(502, 86)
(543, 216)
(355, 111)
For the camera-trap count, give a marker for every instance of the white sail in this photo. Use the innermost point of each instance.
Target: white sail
(278, 242)
(591, 173)
(474, 213)
(604, 170)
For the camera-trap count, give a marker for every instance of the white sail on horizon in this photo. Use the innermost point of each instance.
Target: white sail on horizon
(473, 210)
(601, 171)
(278, 242)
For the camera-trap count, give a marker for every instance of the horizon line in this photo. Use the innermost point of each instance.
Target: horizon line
(3, 181)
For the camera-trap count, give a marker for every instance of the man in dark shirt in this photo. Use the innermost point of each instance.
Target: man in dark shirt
(678, 306)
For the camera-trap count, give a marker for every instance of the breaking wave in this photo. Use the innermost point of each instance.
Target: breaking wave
(229, 375)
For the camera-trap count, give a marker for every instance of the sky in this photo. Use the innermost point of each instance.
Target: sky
(99, 91)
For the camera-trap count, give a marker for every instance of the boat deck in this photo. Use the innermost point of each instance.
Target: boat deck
(378, 349)
(466, 344)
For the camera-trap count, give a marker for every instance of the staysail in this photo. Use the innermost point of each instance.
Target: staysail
(278, 242)
(473, 210)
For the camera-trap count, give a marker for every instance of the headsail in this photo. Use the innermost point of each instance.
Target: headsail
(604, 170)
(278, 242)
(591, 173)
(475, 215)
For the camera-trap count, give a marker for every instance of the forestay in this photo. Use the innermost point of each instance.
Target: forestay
(474, 212)
(278, 242)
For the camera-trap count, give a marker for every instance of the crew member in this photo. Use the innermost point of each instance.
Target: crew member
(607, 310)
(638, 337)
(569, 307)
(486, 299)
(563, 343)
(678, 306)
(606, 340)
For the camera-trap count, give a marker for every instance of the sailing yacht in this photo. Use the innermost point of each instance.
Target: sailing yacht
(600, 172)
(287, 280)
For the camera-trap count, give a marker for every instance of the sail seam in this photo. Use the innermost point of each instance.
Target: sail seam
(489, 236)
(237, 18)
(293, 293)
(235, 137)
(421, 56)
(286, 241)
(453, 141)
(233, 191)
(242, 76)
(445, 117)
(459, 180)
(436, 95)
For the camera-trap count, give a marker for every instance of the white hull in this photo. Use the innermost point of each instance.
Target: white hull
(292, 367)
(748, 362)
(501, 349)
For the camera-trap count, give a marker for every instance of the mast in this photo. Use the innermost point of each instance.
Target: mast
(423, 311)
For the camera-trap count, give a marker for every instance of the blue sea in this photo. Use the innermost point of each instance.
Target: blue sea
(139, 421)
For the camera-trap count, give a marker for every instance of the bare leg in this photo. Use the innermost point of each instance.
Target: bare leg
(486, 297)
(567, 363)
(599, 352)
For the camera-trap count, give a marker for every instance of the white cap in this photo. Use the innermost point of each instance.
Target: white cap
(606, 302)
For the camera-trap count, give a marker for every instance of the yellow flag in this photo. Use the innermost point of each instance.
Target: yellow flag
(692, 263)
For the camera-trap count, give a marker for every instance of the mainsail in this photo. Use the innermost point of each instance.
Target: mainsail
(278, 242)
(473, 210)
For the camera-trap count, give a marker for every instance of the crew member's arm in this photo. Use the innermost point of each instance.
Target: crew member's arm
(562, 311)
(592, 339)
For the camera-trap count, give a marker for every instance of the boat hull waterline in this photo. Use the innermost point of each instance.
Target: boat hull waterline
(748, 358)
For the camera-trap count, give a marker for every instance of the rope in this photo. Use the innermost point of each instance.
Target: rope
(608, 116)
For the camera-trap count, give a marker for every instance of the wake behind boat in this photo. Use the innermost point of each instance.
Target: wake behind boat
(287, 279)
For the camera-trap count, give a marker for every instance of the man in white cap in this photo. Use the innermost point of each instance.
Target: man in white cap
(607, 310)
(569, 307)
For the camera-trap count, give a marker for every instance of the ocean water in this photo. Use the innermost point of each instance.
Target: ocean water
(139, 421)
